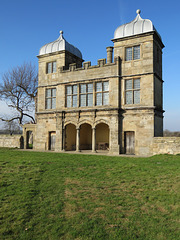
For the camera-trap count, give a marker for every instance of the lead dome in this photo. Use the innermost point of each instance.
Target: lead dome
(137, 26)
(59, 45)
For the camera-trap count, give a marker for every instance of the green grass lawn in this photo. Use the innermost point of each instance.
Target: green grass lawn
(64, 196)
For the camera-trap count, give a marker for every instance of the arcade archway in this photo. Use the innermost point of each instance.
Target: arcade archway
(102, 136)
(70, 137)
(85, 137)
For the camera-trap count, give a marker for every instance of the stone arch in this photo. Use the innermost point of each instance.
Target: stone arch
(101, 121)
(70, 122)
(85, 136)
(29, 136)
(102, 136)
(70, 137)
(83, 122)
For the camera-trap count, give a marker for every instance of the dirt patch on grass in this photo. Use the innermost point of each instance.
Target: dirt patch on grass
(162, 209)
(67, 193)
(72, 181)
(98, 209)
(71, 210)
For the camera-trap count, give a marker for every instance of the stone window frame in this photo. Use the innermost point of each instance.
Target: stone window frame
(94, 93)
(132, 90)
(51, 67)
(51, 98)
(87, 93)
(102, 92)
(71, 95)
(132, 53)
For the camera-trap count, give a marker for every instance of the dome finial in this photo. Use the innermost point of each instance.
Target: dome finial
(61, 32)
(138, 11)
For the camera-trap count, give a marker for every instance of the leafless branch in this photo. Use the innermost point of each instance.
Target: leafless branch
(9, 120)
(19, 89)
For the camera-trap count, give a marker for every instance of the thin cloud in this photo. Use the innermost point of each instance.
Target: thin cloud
(121, 7)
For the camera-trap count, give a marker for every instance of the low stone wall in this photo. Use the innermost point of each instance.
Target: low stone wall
(160, 145)
(166, 145)
(12, 141)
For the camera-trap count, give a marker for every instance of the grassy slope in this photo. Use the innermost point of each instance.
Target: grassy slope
(63, 196)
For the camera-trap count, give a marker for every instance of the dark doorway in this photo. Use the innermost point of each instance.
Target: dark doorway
(52, 141)
(129, 143)
(29, 140)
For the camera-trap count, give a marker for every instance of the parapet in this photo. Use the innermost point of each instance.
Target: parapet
(87, 65)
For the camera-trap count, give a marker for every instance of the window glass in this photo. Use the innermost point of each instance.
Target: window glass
(69, 90)
(54, 92)
(128, 84)
(86, 99)
(50, 98)
(132, 94)
(136, 83)
(68, 101)
(129, 98)
(90, 100)
(132, 53)
(136, 97)
(99, 87)
(48, 92)
(53, 103)
(71, 96)
(83, 100)
(75, 101)
(75, 89)
(105, 86)
(49, 67)
(105, 98)
(99, 99)
(54, 67)
(129, 54)
(83, 88)
(90, 88)
(86, 95)
(136, 52)
(48, 103)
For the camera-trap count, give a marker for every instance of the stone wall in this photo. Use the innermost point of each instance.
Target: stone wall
(12, 141)
(166, 145)
(160, 145)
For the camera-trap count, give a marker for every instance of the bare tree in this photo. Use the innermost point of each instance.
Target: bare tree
(12, 127)
(19, 89)
(168, 133)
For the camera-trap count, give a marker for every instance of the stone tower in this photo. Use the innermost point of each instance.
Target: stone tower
(139, 46)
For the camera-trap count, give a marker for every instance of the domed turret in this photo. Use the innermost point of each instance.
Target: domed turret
(59, 45)
(137, 26)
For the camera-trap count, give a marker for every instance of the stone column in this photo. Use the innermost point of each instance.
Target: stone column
(63, 138)
(77, 139)
(58, 146)
(109, 54)
(94, 139)
(25, 138)
(114, 147)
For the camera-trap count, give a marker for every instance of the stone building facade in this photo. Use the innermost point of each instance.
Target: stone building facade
(114, 106)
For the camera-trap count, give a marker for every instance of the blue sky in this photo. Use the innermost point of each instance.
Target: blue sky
(90, 25)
